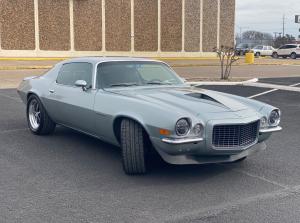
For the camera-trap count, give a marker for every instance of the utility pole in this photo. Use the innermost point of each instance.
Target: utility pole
(275, 34)
(283, 25)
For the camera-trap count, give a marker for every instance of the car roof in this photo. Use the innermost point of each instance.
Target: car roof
(95, 60)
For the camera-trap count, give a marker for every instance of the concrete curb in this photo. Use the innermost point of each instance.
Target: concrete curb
(33, 58)
(24, 67)
(65, 58)
(228, 83)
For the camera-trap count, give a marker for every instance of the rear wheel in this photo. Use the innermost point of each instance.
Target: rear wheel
(38, 120)
(294, 56)
(133, 147)
(275, 55)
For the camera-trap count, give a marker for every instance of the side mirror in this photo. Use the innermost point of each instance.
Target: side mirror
(82, 84)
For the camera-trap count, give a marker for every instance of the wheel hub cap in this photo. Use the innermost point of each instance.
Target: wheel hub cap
(34, 114)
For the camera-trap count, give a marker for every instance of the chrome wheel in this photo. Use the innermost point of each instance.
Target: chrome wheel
(34, 114)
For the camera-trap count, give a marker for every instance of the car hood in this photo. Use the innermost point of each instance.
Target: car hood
(199, 102)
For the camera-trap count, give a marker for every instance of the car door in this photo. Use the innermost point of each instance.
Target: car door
(74, 105)
(269, 51)
(264, 51)
(291, 49)
(282, 51)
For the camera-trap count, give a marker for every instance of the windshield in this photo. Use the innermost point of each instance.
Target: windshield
(135, 73)
(258, 47)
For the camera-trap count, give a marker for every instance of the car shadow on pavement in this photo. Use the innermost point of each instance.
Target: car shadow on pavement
(107, 158)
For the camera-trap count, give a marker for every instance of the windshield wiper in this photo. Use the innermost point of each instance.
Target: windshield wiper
(123, 85)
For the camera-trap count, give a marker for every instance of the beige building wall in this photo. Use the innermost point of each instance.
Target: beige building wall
(156, 28)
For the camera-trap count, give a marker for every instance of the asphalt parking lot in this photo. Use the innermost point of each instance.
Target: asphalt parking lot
(71, 177)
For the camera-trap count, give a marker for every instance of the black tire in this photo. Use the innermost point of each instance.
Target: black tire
(257, 54)
(46, 125)
(133, 147)
(294, 56)
(275, 55)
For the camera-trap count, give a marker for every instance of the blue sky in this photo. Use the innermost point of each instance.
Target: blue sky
(266, 15)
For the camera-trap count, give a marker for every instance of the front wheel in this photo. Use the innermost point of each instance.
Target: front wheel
(133, 147)
(257, 54)
(38, 120)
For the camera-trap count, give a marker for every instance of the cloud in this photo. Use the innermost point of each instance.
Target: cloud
(266, 15)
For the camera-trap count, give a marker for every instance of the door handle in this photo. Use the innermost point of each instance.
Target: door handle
(51, 91)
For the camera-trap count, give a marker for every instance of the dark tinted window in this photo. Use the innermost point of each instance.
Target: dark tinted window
(291, 46)
(71, 72)
(282, 47)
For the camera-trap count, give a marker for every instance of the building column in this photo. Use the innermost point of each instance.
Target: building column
(201, 26)
(218, 30)
(103, 26)
(159, 27)
(71, 8)
(36, 25)
(183, 26)
(132, 25)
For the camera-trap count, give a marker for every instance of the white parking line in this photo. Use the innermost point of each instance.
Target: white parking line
(269, 91)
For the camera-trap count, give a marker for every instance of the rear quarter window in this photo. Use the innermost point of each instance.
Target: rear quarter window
(71, 72)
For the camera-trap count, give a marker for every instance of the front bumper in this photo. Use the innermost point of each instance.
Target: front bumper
(200, 151)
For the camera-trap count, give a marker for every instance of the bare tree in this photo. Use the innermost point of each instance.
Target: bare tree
(257, 37)
(227, 57)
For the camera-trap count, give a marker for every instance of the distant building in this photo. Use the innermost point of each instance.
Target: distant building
(52, 28)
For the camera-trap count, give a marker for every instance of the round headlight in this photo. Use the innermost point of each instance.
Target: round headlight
(263, 123)
(182, 127)
(274, 118)
(198, 129)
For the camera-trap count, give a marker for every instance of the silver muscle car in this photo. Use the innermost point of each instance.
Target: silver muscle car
(143, 106)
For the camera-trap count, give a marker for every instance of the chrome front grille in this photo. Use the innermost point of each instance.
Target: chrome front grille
(233, 136)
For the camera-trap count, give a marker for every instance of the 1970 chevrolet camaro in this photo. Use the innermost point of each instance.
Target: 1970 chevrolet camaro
(143, 106)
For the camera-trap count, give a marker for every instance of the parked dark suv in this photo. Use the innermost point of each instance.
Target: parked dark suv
(243, 48)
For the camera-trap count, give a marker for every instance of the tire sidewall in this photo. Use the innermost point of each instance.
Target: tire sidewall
(39, 129)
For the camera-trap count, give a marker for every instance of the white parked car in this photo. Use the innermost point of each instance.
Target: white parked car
(261, 50)
(288, 50)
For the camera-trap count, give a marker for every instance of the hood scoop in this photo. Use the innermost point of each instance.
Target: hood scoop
(202, 96)
(220, 99)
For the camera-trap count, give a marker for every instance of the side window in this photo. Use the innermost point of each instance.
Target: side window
(282, 47)
(71, 72)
